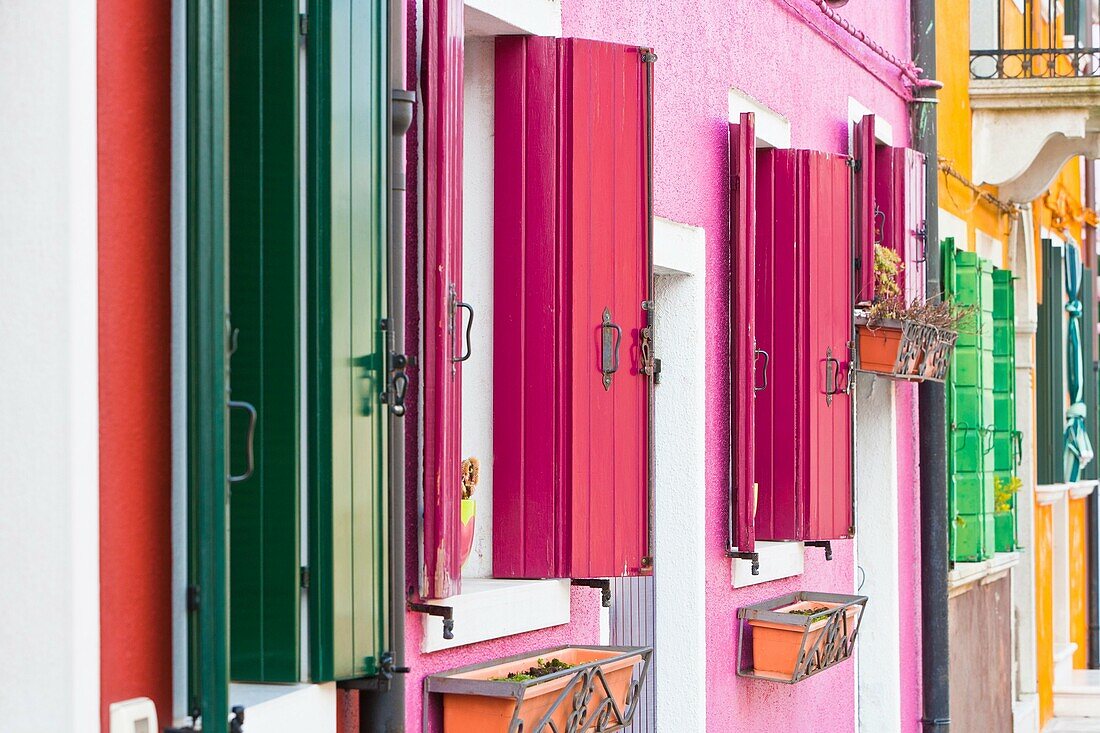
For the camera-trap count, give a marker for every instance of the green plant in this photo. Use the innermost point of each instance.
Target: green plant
(541, 668)
(1004, 491)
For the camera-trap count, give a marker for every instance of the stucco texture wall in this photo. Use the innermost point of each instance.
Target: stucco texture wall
(767, 51)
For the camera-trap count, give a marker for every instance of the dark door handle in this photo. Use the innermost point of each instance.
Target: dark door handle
(764, 371)
(832, 385)
(252, 417)
(612, 337)
(459, 305)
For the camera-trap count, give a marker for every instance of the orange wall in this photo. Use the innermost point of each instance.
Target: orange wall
(1078, 582)
(1044, 611)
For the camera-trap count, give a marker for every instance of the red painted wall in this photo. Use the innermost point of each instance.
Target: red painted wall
(134, 119)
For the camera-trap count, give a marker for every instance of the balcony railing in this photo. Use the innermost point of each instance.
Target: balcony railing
(1034, 39)
(1034, 63)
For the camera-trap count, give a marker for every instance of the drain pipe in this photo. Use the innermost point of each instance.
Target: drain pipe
(1092, 530)
(382, 710)
(935, 683)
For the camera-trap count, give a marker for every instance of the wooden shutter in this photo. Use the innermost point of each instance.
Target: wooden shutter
(1089, 367)
(742, 344)
(571, 284)
(863, 151)
(347, 295)
(900, 223)
(803, 318)
(1050, 396)
(444, 323)
(1006, 445)
(970, 408)
(265, 559)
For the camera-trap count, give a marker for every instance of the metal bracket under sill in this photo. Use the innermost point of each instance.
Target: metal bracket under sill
(753, 557)
(604, 584)
(824, 544)
(236, 723)
(444, 612)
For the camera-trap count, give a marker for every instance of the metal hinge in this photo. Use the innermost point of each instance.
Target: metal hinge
(236, 723)
(858, 263)
(303, 24)
(855, 164)
(304, 577)
(397, 384)
(648, 57)
(192, 598)
(651, 365)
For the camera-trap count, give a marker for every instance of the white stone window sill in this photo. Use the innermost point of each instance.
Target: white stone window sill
(513, 17)
(777, 560)
(967, 575)
(286, 708)
(489, 608)
(1046, 494)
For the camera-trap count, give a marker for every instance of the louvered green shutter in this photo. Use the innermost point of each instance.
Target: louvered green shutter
(968, 280)
(1089, 369)
(1050, 370)
(1005, 436)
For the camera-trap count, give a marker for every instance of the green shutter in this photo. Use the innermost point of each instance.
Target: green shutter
(347, 295)
(265, 560)
(1050, 370)
(971, 412)
(1005, 436)
(1089, 369)
(207, 602)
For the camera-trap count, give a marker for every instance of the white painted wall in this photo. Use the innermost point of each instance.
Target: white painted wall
(680, 419)
(876, 485)
(477, 289)
(49, 421)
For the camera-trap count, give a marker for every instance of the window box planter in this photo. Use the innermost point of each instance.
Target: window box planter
(598, 692)
(794, 636)
(905, 350)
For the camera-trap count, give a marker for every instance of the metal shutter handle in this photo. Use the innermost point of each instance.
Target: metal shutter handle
(764, 371)
(612, 336)
(252, 417)
(459, 305)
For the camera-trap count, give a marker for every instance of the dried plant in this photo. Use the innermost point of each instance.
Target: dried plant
(944, 314)
(888, 266)
(471, 469)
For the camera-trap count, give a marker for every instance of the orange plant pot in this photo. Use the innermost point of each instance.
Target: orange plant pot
(490, 713)
(776, 646)
(878, 348)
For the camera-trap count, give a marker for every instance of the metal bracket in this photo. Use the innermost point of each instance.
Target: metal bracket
(603, 584)
(444, 612)
(648, 57)
(855, 164)
(753, 557)
(825, 544)
(236, 723)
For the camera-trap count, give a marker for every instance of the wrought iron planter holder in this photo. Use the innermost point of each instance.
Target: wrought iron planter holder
(587, 702)
(824, 639)
(922, 352)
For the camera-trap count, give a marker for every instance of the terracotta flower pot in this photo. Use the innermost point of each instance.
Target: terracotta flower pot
(476, 700)
(467, 514)
(878, 348)
(776, 645)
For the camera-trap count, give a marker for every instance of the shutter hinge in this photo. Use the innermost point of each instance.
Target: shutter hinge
(858, 263)
(648, 57)
(236, 723)
(651, 365)
(855, 164)
(192, 598)
(303, 24)
(304, 577)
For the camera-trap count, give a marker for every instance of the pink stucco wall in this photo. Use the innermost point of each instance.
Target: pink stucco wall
(909, 614)
(583, 628)
(763, 49)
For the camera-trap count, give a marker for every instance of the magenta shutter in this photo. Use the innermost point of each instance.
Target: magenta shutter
(899, 195)
(803, 312)
(863, 151)
(442, 82)
(571, 273)
(743, 380)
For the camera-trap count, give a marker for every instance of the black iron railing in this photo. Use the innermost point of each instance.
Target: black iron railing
(1034, 39)
(1034, 63)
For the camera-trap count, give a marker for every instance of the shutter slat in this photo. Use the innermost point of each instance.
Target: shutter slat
(863, 150)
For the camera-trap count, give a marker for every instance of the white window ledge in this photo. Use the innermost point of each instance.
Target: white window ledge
(489, 608)
(777, 560)
(967, 575)
(286, 708)
(513, 17)
(1046, 494)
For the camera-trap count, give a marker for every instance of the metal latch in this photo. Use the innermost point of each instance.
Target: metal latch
(612, 336)
(651, 365)
(397, 384)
